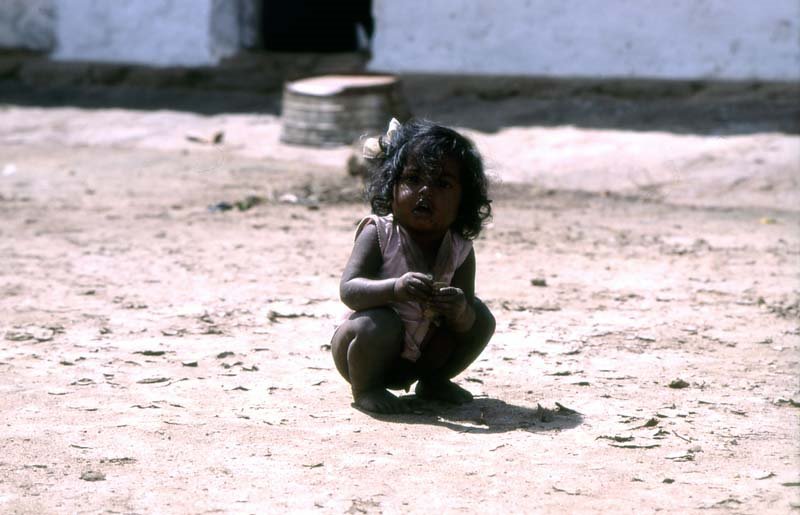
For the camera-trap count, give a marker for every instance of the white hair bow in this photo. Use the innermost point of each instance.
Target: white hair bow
(374, 148)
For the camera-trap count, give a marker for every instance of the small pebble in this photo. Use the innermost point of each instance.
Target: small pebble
(93, 475)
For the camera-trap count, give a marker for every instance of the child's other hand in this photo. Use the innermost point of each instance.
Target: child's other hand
(413, 286)
(449, 302)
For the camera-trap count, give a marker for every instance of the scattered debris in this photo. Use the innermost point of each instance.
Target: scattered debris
(565, 373)
(273, 315)
(153, 380)
(547, 306)
(636, 446)
(220, 207)
(315, 465)
(150, 352)
(539, 282)
(563, 410)
(245, 204)
(174, 332)
(364, 506)
(652, 422)
(226, 354)
(119, 461)
(789, 309)
(761, 474)
(248, 202)
(780, 401)
(93, 475)
(681, 456)
(189, 363)
(679, 436)
(543, 414)
(309, 200)
(563, 491)
(40, 334)
(668, 480)
(216, 139)
(288, 198)
(729, 500)
(616, 438)
(678, 383)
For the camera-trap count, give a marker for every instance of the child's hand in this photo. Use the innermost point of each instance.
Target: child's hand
(451, 303)
(413, 286)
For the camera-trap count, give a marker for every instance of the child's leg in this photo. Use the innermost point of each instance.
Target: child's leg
(462, 349)
(364, 349)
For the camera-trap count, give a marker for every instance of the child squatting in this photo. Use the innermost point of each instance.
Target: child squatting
(410, 279)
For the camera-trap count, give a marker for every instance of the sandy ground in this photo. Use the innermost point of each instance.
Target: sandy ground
(158, 356)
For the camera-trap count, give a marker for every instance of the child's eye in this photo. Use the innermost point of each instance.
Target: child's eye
(444, 184)
(411, 178)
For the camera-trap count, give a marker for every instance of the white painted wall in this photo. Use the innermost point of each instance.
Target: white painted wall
(665, 39)
(675, 39)
(27, 24)
(154, 32)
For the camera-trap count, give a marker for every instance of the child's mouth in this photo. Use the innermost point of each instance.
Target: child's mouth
(423, 208)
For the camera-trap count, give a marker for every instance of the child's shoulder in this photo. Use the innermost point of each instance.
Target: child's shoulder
(381, 226)
(461, 248)
(379, 222)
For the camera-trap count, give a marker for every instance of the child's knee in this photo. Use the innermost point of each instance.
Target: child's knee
(383, 324)
(484, 319)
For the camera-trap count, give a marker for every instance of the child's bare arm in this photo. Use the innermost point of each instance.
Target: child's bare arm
(359, 290)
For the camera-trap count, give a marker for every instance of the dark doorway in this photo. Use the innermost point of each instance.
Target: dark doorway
(317, 26)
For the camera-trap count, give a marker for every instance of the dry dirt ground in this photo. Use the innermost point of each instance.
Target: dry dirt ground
(159, 356)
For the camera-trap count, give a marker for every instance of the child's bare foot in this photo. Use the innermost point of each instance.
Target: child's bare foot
(380, 401)
(442, 390)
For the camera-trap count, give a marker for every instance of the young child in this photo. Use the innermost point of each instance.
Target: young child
(410, 279)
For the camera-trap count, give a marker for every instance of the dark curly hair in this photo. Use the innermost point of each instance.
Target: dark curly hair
(426, 144)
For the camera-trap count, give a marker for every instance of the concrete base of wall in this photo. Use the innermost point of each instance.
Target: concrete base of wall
(253, 83)
(259, 72)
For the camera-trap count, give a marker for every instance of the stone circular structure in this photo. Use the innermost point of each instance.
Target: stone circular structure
(334, 110)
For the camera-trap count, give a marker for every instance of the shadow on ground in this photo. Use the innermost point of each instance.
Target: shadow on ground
(253, 84)
(485, 416)
(205, 102)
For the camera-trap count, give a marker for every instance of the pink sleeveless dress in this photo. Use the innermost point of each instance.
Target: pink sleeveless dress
(400, 255)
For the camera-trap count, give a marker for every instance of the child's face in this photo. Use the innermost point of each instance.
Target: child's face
(427, 201)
